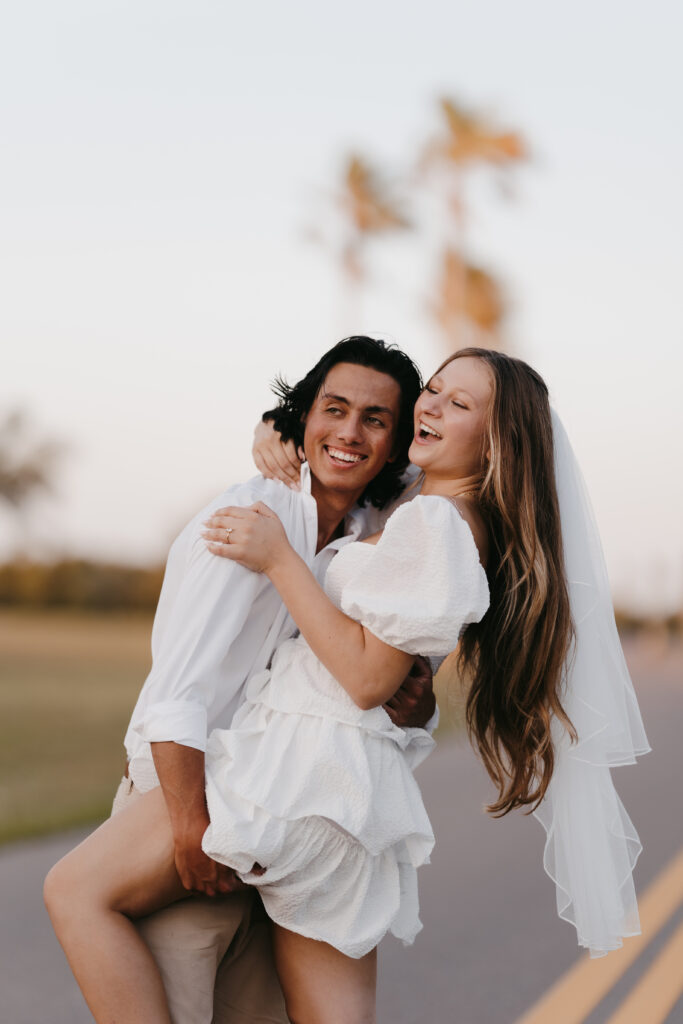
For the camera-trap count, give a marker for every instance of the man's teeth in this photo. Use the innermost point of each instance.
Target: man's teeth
(429, 430)
(344, 456)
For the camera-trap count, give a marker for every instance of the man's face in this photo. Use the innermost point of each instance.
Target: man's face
(350, 429)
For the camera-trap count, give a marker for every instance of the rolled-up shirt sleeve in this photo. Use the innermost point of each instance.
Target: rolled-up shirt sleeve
(183, 721)
(192, 639)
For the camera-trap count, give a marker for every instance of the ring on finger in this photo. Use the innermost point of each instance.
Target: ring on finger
(228, 531)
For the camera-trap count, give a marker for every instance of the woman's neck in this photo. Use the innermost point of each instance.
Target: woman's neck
(445, 487)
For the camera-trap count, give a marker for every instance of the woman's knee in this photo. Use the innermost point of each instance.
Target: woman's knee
(75, 889)
(60, 891)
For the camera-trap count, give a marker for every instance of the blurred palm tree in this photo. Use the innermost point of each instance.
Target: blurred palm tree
(468, 306)
(369, 210)
(26, 465)
(365, 208)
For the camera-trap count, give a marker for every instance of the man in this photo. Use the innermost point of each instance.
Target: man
(217, 624)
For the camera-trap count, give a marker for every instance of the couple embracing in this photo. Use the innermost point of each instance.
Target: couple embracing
(271, 751)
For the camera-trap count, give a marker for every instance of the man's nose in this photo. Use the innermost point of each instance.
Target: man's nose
(350, 431)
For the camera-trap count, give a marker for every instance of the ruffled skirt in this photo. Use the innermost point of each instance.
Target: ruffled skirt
(322, 795)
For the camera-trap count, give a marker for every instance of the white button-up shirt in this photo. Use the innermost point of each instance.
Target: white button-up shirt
(217, 622)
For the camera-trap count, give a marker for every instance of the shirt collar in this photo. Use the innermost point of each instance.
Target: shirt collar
(353, 522)
(305, 478)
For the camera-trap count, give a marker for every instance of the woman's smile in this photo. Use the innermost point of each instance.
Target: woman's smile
(424, 434)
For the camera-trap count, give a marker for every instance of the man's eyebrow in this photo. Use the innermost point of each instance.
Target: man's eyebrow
(335, 398)
(368, 408)
(380, 408)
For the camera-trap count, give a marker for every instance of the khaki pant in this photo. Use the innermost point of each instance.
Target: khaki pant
(214, 954)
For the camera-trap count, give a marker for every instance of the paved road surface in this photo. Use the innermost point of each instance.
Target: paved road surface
(492, 943)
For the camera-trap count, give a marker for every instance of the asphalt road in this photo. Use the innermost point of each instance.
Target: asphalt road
(492, 943)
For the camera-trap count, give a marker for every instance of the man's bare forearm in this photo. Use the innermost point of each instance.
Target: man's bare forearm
(181, 773)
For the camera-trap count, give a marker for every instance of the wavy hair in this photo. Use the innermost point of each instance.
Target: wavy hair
(514, 658)
(296, 400)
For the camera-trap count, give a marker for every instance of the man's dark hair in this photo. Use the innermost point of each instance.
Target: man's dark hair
(296, 400)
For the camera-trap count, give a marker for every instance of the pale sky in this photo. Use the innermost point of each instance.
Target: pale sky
(161, 162)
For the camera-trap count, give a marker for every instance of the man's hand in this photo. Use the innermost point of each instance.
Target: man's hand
(198, 873)
(414, 702)
(181, 774)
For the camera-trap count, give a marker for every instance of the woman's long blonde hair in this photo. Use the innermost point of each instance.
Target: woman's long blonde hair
(513, 659)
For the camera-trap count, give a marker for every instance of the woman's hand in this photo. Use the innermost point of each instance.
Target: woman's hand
(252, 536)
(274, 458)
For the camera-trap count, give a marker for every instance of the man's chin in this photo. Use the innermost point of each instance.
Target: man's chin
(352, 480)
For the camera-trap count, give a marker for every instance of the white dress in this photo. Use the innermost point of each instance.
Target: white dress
(320, 792)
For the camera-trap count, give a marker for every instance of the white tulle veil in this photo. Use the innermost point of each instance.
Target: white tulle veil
(591, 844)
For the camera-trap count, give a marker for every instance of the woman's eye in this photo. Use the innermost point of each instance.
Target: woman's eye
(459, 404)
(432, 391)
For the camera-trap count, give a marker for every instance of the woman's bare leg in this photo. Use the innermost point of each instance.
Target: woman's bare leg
(124, 868)
(322, 985)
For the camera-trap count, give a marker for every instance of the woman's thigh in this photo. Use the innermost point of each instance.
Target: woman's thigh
(322, 985)
(128, 863)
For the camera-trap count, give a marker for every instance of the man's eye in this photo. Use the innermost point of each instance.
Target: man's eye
(375, 421)
(333, 408)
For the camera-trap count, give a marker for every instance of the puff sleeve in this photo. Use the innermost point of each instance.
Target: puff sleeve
(423, 583)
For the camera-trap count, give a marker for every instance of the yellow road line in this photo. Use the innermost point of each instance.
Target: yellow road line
(579, 991)
(655, 995)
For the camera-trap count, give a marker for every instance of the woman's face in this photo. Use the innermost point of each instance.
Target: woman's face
(450, 419)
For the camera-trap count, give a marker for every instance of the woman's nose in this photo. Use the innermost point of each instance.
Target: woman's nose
(431, 404)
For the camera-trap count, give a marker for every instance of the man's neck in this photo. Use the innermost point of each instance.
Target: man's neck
(333, 507)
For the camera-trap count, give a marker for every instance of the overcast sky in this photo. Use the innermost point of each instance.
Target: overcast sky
(161, 163)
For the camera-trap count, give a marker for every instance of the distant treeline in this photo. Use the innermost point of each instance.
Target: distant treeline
(631, 622)
(76, 583)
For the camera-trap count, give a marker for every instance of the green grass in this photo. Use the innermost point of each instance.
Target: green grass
(68, 683)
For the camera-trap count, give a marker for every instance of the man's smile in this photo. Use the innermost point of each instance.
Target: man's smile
(339, 456)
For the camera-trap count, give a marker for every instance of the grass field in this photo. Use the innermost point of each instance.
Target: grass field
(68, 683)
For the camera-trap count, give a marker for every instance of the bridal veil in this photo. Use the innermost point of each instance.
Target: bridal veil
(591, 844)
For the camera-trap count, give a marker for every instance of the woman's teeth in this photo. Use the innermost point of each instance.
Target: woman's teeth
(426, 431)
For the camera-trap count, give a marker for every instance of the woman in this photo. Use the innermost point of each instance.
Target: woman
(310, 792)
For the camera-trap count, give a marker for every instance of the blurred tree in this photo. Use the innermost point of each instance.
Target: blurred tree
(468, 306)
(363, 208)
(368, 211)
(77, 583)
(26, 465)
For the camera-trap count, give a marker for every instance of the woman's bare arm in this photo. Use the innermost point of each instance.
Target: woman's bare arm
(369, 670)
(274, 458)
